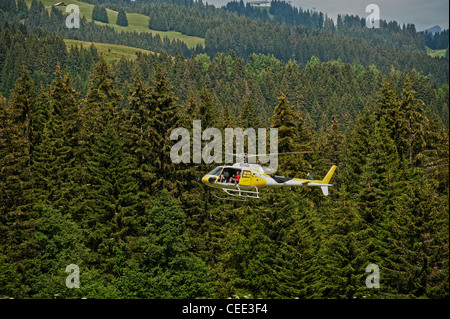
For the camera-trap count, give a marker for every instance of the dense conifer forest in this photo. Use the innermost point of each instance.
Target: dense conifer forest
(86, 176)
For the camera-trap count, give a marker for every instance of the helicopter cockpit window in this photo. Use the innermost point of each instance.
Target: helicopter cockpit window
(216, 171)
(230, 175)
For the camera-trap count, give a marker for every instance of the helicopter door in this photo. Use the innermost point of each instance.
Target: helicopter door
(246, 178)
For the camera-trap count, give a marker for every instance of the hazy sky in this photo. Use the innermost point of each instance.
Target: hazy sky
(423, 13)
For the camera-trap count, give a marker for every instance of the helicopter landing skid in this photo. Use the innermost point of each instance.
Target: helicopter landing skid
(242, 193)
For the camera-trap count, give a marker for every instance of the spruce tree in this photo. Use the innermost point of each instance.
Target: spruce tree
(412, 139)
(171, 269)
(122, 18)
(22, 9)
(380, 175)
(347, 248)
(329, 148)
(416, 251)
(99, 13)
(59, 240)
(138, 130)
(293, 136)
(205, 108)
(165, 117)
(91, 203)
(10, 280)
(8, 6)
(18, 219)
(110, 204)
(354, 154)
(195, 196)
(55, 156)
(434, 157)
(102, 98)
(248, 116)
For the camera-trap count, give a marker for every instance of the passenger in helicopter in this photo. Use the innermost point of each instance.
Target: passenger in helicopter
(232, 178)
(237, 178)
(225, 174)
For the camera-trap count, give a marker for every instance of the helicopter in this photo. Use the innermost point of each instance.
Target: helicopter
(244, 179)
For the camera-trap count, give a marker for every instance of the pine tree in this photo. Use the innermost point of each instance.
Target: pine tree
(171, 269)
(329, 148)
(348, 247)
(293, 136)
(191, 110)
(102, 97)
(403, 117)
(166, 115)
(122, 18)
(416, 251)
(59, 240)
(99, 13)
(55, 156)
(17, 218)
(355, 151)
(138, 131)
(22, 9)
(195, 197)
(413, 139)
(205, 108)
(92, 203)
(110, 209)
(380, 174)
(248, 116)
(434, 157)
(8, 6)
(10, 280)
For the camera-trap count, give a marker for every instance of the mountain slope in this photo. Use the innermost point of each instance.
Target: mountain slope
(112, 52)
(136, 22)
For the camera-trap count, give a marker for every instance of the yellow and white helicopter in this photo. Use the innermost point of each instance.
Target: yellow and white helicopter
(244, 179)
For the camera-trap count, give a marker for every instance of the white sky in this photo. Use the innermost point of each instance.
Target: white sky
(423, 13)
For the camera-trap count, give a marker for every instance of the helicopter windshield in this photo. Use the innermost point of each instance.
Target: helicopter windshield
(216, 171)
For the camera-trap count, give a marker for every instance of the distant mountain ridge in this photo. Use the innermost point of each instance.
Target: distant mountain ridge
(433, 30)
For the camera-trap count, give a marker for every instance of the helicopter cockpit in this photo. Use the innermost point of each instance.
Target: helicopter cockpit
(226, 174)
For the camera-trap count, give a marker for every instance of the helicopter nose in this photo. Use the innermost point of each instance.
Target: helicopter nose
(201, 179)
(204, 179)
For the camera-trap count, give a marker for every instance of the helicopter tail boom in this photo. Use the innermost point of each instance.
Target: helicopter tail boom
(324, 184)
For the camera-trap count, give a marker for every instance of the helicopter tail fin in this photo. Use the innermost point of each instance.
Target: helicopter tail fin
(327, 178)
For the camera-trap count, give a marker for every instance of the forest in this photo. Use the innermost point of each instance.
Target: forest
(86, 176)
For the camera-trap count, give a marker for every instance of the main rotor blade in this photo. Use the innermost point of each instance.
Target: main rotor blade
(270, 154)
(283, 153)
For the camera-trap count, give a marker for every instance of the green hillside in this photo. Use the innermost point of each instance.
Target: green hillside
(136, 22)
(111, 52)
(436, 53)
